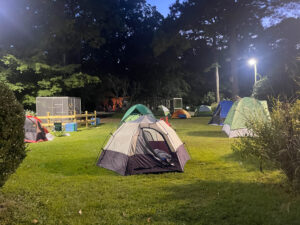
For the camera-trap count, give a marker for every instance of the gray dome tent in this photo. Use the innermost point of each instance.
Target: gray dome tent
(145, 145)
(202, 110)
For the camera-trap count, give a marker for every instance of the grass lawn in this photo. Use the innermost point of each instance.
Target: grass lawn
(58, 179)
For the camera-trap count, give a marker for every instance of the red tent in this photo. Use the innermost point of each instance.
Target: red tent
(34, 132)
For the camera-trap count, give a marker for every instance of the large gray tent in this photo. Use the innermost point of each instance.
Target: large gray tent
(145, 145)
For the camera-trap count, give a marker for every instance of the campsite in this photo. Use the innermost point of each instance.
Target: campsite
(61, 179)
(166, 112)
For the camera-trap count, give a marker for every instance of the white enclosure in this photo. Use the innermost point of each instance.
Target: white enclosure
(57, 106)
(176, 103)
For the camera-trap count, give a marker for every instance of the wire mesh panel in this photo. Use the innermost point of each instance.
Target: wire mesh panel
(176, 103)
(58, 106)
(73, 104)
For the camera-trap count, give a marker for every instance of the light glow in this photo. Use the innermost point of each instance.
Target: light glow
(252, 62)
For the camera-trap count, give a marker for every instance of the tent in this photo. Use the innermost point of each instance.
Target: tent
(138, 110)
(132, 117)
(34, 132)
(163, 110)
(181, 114)
(220, 113)
(202, 110)
(241, 111)
(145, 145)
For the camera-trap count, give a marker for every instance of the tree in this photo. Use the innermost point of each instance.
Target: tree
(281, 43)
(68, 46)
(30, 79)
(216, 66)
(230, 27)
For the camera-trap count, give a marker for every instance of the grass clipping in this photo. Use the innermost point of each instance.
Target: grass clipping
(276, 141)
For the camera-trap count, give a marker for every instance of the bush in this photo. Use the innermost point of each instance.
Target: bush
(214, 107)
(12, 147)
(58, 133)
(277, 141)
(29, 113)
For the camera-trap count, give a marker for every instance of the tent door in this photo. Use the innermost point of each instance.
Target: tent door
(158, 146)
(155, 140)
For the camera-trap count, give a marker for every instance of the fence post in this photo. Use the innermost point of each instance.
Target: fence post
(86, 119)
(95, 112)
(48, 118)
(74, 116)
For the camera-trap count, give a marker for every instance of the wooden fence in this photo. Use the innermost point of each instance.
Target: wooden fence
(75, 118)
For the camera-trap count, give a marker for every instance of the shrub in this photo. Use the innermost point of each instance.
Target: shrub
(12, 147)
(277, 141)
(58, 133)
(29, 113)
(214, 106)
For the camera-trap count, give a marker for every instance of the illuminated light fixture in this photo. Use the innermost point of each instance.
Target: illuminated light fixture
(253, 62)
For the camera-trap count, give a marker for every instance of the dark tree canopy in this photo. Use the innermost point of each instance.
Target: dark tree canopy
(116, 48)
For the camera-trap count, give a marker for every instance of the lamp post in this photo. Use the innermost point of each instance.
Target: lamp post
(253, 62)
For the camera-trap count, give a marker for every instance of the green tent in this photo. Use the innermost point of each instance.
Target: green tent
(241, 111)
(132, 117)
(134, 112)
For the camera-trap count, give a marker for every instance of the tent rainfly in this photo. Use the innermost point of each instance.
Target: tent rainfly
(220, 113)
(181, 114)
(241, 111)
(145, 145)
(134, 112)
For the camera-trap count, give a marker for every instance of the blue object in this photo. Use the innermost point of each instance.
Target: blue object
(97, 121)
(220, 113)
(225, 107)
(70, 127)
(182, 116)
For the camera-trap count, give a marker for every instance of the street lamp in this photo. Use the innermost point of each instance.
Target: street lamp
(253, 62)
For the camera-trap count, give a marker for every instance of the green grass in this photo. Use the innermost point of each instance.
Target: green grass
(59, 178)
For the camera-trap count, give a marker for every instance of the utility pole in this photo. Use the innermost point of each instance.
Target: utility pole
(253, 62)
(217, 83)
(255, 73)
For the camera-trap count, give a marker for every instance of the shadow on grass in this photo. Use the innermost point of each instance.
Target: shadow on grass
(203, 114)
(75, 167)
(249, 163)
(209, 133)
(210, 202)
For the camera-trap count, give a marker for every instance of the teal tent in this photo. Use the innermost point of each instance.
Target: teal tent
(135, 111)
